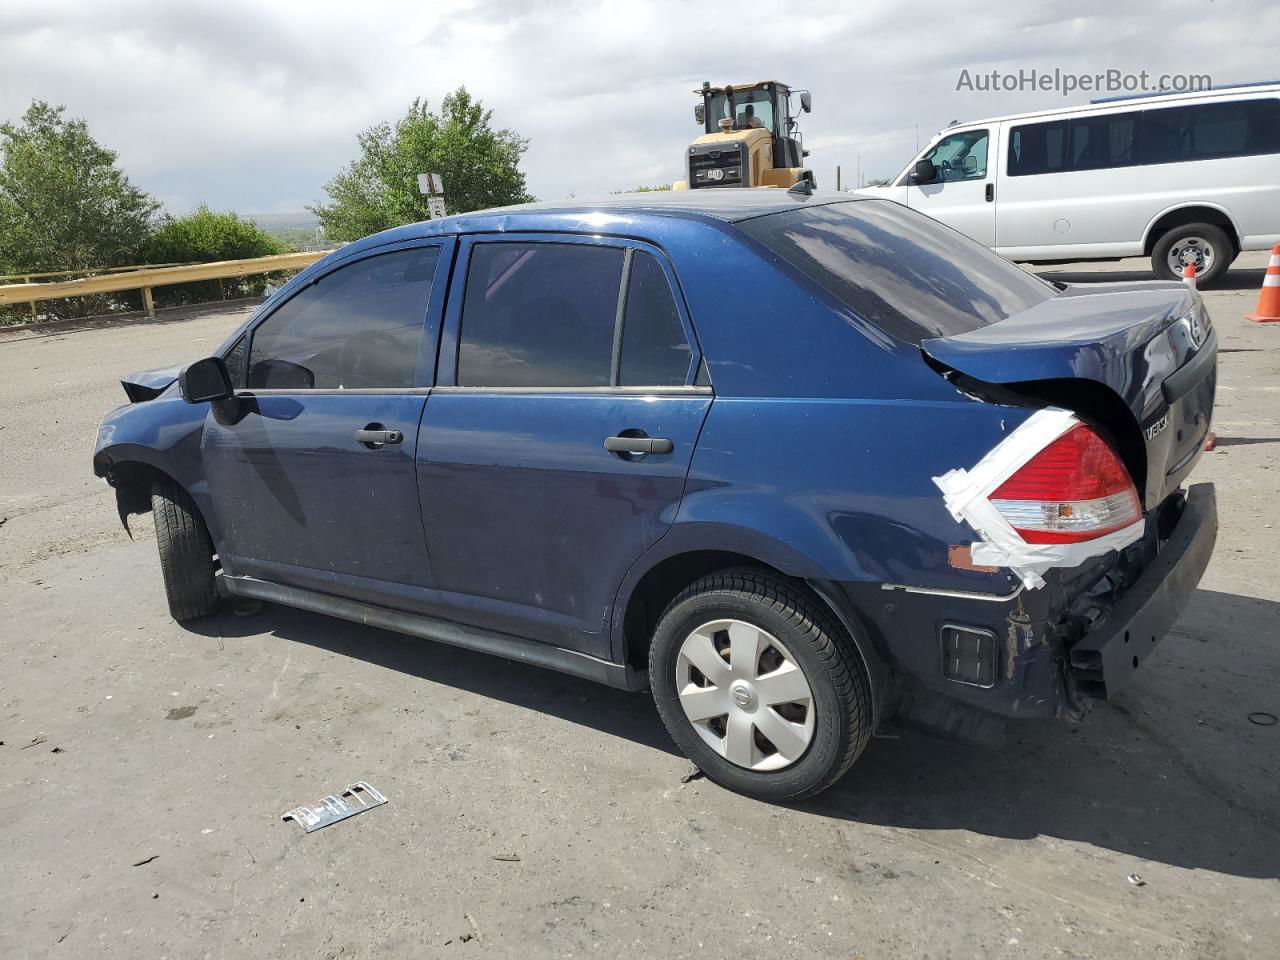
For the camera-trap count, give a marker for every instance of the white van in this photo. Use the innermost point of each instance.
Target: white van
(1182, 178)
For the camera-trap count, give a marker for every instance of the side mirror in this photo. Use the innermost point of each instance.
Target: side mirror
(205, 380)
(806, 101)
(924, 172)
(700, 113)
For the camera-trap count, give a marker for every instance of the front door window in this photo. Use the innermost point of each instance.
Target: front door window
(359, 327)
(960, 156)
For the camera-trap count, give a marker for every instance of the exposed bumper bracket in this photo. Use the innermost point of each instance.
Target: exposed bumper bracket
(1106, 658)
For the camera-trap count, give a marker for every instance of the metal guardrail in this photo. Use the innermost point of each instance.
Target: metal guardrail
(144, 278)
(30, 275)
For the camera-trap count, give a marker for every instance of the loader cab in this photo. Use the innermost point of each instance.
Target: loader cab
(769, 106)
(750, 138)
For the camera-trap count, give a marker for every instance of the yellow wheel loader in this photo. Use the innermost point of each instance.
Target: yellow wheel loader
(750, 140)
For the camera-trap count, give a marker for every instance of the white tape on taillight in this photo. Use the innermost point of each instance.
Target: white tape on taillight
(1073, 501)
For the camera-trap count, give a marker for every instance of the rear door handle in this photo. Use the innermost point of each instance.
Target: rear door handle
(638, 445)
(991, 192)
(378, 436)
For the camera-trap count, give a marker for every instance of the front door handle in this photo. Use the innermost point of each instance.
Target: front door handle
(638, 444)
(374, 436)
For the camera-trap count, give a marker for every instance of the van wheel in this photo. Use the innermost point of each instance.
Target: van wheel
(1203, 244)
(759, 687)
(186, 552)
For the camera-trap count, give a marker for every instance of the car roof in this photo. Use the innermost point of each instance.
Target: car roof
(727, 204)
(575, 215)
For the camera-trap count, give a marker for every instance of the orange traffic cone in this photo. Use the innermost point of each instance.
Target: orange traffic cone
(1189, 275)
(1269, 300)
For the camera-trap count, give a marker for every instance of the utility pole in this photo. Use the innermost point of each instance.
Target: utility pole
(837, 177)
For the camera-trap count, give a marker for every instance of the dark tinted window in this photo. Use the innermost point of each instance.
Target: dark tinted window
(539, 315)
(899, 269)
(1038, 148)
(1108, 140)
(1211, 130)
(1170, 135)
(655, 351)
(357, 327)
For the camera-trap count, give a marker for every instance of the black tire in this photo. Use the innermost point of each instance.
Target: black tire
(830, 663)
(1223, 251)
(186, 552)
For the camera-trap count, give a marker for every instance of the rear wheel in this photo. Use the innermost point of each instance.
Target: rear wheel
(758, 687)
(1203, 244)
(186, 552)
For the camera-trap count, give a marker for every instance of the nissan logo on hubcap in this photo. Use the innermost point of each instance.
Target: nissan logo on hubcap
(742, 695)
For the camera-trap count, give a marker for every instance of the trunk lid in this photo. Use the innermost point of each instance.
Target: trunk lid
(1138, 359)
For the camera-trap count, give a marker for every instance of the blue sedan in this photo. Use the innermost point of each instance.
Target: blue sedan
(800, 464)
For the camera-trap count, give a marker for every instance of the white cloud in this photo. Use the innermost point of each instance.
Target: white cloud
(253, 106)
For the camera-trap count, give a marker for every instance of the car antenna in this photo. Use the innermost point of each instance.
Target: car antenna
(802, 188)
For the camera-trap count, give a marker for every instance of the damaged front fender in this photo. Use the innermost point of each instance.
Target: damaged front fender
(136, 443)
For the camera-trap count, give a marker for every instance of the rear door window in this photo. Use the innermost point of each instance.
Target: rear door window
(654, 350)
(358, 327)
(1038, 148)
(1102, 141)
(539, 315)
(898, 269)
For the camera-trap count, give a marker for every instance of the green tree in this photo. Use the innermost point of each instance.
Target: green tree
(203, 237)
(64, 203)
(479, 166)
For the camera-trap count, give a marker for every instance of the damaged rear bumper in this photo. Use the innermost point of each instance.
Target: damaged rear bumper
(1050, 651)
(1105, 659)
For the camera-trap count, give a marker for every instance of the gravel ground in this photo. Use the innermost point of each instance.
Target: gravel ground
(145, 765)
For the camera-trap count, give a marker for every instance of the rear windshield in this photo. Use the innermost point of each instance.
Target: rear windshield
(905, 272)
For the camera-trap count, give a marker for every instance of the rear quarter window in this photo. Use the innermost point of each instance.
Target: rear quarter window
(898, 269)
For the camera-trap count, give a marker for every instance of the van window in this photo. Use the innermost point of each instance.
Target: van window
(1038, 148)
(1210, 131)
(960, 156)
(357, 327)
(1102, 141)
(539, 315)
(898, 269)
(1205, 131)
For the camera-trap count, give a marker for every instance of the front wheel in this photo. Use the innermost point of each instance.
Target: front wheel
(759, 687)
(1203, 244)
(186, 552)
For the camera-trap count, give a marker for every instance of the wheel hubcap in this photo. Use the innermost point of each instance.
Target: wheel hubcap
(745, 695)
(1190, 250)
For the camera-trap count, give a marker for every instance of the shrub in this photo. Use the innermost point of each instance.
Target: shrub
(203, 237)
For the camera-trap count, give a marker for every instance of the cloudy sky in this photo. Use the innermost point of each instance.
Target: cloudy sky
(252, 105)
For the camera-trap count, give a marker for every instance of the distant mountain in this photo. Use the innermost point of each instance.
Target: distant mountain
(302, 220)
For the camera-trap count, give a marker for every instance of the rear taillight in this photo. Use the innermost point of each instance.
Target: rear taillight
(1075, 489)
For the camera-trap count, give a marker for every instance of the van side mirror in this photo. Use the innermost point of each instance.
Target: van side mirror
(806, 101)
(700, 113)
(924, 172)
(205, 380)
